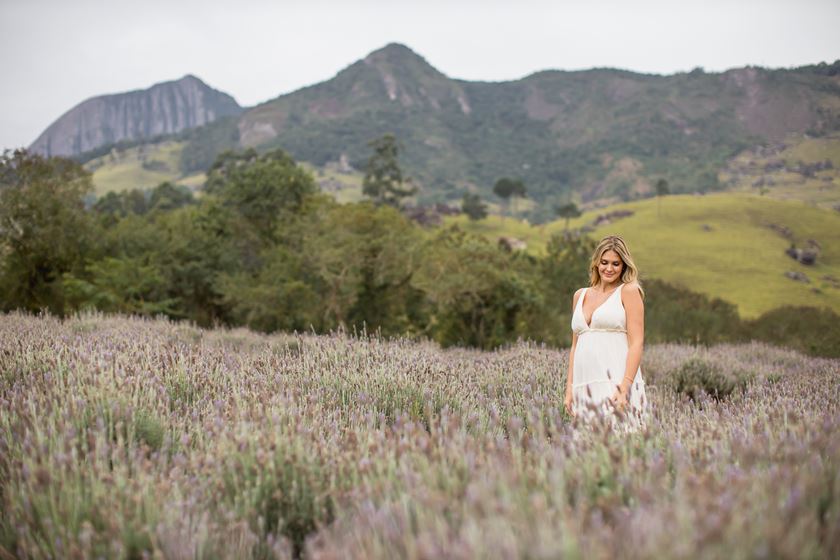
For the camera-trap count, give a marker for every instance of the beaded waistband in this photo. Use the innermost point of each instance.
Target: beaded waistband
(602, 330)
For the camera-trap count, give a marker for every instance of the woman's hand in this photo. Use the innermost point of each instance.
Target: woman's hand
(568, 401)
(619, 400)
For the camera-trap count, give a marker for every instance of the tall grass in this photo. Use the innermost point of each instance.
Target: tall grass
(129, 438)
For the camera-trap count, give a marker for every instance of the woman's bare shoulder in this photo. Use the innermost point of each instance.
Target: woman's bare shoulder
(631, 288)
(576, 296)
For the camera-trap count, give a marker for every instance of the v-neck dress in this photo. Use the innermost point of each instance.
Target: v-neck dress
(599, 361)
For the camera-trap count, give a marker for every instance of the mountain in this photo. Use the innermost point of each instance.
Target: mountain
(162, 109)
(600, 134)
(391, 80)
(593, 136)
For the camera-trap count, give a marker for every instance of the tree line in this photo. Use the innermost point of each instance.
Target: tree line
(262, 247)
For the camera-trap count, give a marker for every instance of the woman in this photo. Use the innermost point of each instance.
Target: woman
(607, 336)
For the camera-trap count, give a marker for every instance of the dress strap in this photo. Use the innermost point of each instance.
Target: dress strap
(582, 297)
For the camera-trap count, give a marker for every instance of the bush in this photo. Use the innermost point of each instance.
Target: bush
(287, 494)
(148, 429)
(676, 314)
(698, 375)
(810, 330)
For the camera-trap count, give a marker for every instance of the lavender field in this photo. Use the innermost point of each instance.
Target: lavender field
(129, 438)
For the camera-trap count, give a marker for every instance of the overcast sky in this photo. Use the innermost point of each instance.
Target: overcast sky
(58, 53)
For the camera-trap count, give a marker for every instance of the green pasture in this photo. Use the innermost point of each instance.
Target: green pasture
(736, 256)
(124, 170)
(194, 181)
(747, 170)
(141, 167)
(814, 149)
(345, 187)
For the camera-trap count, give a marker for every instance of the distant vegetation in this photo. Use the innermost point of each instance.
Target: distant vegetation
(264, 248)
(204, 144)
(727, 245)
(800, 168)
(594, 136)
(139, 167)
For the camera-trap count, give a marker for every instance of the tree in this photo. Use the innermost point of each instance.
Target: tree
(384, 181)
(260, 188)
(562, 271)
(507, 188)
(519, 189)
(119, 285)
(134, 201)
(225, 164)
(503, 188)
(277, 297)
(480, 294)
(661, 190)
(364, 257)
(44, 229)
(192, 252)
(110, 207)
(113, 207)
(167, 196)
(472, 206)
(567, 211)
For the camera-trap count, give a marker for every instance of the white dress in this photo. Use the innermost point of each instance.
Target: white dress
(599, 361)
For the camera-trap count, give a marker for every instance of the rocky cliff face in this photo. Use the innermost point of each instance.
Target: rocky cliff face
(164, 108)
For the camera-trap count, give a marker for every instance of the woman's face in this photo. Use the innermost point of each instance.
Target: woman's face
(610, 267)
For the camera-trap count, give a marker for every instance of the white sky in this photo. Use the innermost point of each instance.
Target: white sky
(58, 53)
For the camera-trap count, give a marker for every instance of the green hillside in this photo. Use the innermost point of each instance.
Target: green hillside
(146, 166)
(141, 167)
(718, 244)
(800, 168)
(344, 185)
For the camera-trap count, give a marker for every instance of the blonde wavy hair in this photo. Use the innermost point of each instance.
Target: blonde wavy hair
(629, 272)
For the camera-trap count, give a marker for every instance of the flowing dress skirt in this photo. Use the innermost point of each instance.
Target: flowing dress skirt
(599, 361)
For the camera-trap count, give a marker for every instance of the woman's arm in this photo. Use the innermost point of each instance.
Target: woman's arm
(635, 310)
(570, 374)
